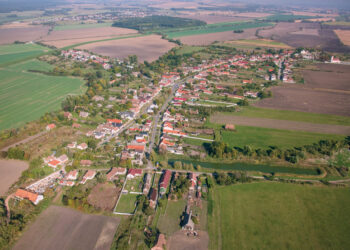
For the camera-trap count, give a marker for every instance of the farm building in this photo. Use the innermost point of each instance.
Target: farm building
(50, 126)
(85, 163)
(230, 127)
(89, 175)
(153, 198)
(24, 194)
(133, 172)
(72, 175)
(164, 182)
(112, 175)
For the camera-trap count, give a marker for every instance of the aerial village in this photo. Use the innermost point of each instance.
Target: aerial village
(146, 122)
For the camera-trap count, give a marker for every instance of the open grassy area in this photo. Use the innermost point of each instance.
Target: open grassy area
(169, 222)
(14, 53)
(279, 216)
(338, 23)
(82, 26)
(214, 28)
(26, 96)
(292, 116)
(258, 43)
(188, 49)
(134, 185)
(264, 137)
(31, 65)
(126, 203)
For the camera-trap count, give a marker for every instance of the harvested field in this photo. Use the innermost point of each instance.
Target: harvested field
(180, 241)
(260, 43)
(281, 124)
(344, 36)
(104, 196)
(206, 39)
(294, 34)
(214, 18)
(11, 34)
(64, 228)
(147, 48)
(10, 171)
(253, 14)
(63, 38)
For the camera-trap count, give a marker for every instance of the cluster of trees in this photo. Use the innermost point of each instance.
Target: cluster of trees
(219, 149)
(154, 23)
(17, 153)
(179, 186)
(231, 178)
(76, 197)
(185, 166)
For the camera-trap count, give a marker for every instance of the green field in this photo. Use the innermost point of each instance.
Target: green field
(14, 53)
(31, 65)
(81, 26)
(279, 216)
(214, 28)
(26, 96)
(264, 137)
(286, 18)
(242, 166)
(338, 23)
(188, 49)
(169, 222)
(292, 116)
(126, 203)
(255, 43)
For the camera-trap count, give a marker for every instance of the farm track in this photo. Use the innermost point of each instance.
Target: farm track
(281, 124)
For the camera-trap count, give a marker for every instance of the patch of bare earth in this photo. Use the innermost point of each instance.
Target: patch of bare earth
(146, 48)
(60, 228)
(10, 171)
(206, 39)
(280, 124)
(180, 241)
(23, 33)
(344, 36)
(104, 196)
(63, 38)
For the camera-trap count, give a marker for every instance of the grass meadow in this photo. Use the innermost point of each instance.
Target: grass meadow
(126, 203)
(279, 216)
(169, 222)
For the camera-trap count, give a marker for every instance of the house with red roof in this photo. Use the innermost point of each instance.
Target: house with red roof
(134, 172)
(164, 182)
(50, 126)
(89, 175)
(31, 196)
(115, 172)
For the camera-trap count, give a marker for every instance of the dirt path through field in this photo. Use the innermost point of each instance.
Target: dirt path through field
(280, 124)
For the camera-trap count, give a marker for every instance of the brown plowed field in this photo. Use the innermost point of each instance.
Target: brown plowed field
(59, 228)
(21, 33)
(147, 48)
(206, 39)
(104, 196)
(63, 38)
(281, 124)
(10, 171)
(180, 241)
(344, 36)
(326, 91)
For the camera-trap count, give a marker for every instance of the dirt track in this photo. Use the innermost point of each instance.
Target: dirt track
(281, 124)
(60, 228)
(180, 241)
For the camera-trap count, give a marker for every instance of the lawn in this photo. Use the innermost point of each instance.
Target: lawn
(126, 203)
(133, 185)
(81, 26)
(293, 116)
(265, 137)
(279, 216)
(14, 53)
(214, 28)
(169, 222)
(26, 96)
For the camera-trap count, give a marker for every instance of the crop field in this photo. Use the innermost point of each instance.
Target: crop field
(344, 36)
(279, 216)
(215, 28)
(338, 23)
(260, 43)
(126, 203)
(242, 166)
(10, 171)
(290, 115)
(206, 39)
(325, 91)
(258, 137)
(13, 53)
(10, 34)
(280, 124)
(25, 96)
(64, 228)
(146, 48)
(81, 26)
(67, 37)
(31, 65)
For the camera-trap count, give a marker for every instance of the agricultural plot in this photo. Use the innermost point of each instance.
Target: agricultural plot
(14, 53)
(10, 171)
(280, 124)
(146, 48)
(259, 43)
(258, 137)
(215, 28)
(26, 33)
(344, 36)
(279, 216)
(26, 96)
(104, 196)
(169, 222)
(65, 228)
(81, 26)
